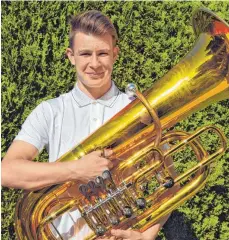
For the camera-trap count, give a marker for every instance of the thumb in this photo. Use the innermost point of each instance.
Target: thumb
(120, 233)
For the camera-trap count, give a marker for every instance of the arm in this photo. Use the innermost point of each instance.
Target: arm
(20, 171)
(149, 234)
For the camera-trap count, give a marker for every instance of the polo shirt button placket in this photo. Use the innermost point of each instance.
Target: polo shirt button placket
(95, 116)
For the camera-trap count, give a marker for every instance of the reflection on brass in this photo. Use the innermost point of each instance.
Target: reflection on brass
(198, 80)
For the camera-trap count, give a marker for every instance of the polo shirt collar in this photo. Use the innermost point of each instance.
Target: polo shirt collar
(107, 99)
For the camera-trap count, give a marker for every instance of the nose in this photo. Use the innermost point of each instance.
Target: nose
(94, 63)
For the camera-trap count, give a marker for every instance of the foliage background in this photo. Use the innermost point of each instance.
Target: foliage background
(153, 38)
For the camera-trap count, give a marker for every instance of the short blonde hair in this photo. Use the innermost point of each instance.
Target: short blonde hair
(92, 22)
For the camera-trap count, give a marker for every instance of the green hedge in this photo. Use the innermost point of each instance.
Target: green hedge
(154, 36)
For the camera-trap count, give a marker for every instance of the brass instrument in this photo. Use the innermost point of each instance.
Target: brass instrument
(198, 80)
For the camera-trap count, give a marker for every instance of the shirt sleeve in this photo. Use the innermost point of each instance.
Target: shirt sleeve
(35, 128)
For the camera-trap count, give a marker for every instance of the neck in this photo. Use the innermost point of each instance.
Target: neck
(94, 93)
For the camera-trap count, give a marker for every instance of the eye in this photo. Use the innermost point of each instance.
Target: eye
(85, 54)
(103, 54)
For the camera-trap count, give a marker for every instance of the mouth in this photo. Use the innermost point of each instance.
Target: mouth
(95, 75)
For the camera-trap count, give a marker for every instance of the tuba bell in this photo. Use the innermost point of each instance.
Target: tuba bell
(198, 80)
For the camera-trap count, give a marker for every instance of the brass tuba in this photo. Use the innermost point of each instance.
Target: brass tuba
(119, 198)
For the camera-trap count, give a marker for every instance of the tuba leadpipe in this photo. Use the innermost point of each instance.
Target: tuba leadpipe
(198, 80)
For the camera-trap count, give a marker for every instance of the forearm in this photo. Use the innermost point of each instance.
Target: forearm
(20, 171)
(151, 233)
(29, 175)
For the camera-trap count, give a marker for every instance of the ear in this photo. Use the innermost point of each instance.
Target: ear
(69, 52)
(116, 52)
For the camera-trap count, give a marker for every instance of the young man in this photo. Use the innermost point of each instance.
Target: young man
(61, 123)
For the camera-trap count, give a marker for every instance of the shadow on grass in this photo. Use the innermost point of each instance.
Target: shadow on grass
(178, 227)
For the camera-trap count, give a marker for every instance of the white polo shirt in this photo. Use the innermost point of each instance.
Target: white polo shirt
(60, 124)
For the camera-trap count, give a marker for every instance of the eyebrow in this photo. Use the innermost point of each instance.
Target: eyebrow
(88, 50)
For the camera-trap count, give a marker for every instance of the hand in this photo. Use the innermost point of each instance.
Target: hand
(90, 166)
(118, 234)
(126, 234)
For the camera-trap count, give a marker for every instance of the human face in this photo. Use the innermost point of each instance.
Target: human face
(93, 57)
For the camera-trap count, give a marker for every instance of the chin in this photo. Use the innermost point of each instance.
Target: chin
(96, 83)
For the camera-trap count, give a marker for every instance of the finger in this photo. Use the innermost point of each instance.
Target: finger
(108, 152)
(112, 238)
(108, 163)
(121, 233)
(97, 153)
